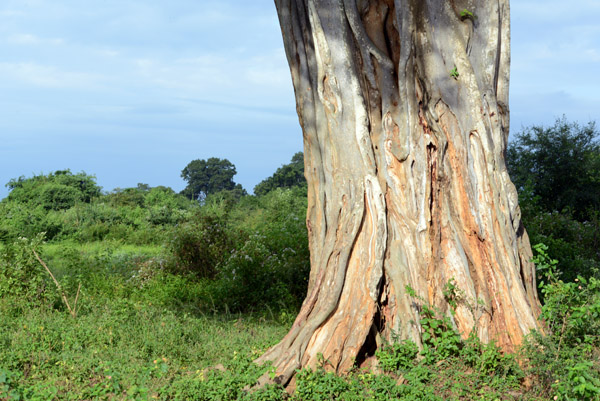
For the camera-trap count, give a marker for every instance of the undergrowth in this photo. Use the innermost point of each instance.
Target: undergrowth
(143, 333)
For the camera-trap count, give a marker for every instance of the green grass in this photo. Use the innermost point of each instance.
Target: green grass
(136, 331)
(116, 345)
(142, 333)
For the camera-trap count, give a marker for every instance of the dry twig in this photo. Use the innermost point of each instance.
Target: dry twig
(73, 310)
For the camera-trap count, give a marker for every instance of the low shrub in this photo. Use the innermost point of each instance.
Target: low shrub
(566, 358)
(199, 247)
(21, 275)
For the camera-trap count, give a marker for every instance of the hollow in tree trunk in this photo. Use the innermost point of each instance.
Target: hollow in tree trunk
(404, 111)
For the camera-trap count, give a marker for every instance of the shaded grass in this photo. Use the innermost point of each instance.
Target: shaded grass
(67, 257)
(99, 246)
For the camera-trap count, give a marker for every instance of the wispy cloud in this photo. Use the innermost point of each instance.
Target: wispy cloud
(193, 79)
(261, 80)
(46, 76)
(30, 39)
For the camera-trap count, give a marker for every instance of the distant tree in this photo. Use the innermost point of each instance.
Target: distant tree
(143, 187)
(205, 177)
(559, 166)
(287, 176)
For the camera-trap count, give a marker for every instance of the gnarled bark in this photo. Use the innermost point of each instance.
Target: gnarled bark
(404, 111)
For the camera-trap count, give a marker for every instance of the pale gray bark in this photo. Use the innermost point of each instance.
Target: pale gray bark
(406, 174)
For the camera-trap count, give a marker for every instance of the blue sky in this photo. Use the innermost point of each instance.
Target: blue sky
(133, 90)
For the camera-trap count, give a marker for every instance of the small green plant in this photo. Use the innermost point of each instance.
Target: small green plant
(440, 339)
(466, 14)
(397, 357)
(452, 294)
(9, 386)
(545, 265)
(454, 73)
(580, 383)
(438, 335)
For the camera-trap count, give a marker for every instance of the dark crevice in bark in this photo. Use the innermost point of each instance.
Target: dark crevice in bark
(325, 214)
(522, 274)
(520, 230)
(432, 165)
(371, 344)
(392, 43)
(388, 34)
(498, 52)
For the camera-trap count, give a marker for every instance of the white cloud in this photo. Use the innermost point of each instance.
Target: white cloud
(592, 55)
(46, 76)
(108, 53)
(227, 77)
(30, 39)
(269, 70)
(555, 54)
(10, 13)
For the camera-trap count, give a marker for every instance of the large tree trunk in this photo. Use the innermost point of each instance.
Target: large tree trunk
(404, 110)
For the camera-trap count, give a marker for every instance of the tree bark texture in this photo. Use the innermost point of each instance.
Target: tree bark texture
(404, 111)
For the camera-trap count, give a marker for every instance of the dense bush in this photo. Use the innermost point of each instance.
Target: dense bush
(200, 246)
(55, 191)
(255, 249)
(78, 211)
(575, 244)
(130, 197)
(21, 220)
(557, 173)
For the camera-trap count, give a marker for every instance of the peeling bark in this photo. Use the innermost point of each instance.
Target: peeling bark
(407, 184)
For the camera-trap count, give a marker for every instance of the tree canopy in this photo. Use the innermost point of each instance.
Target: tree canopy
(287, 176)
(205, 177)
(558, 165)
